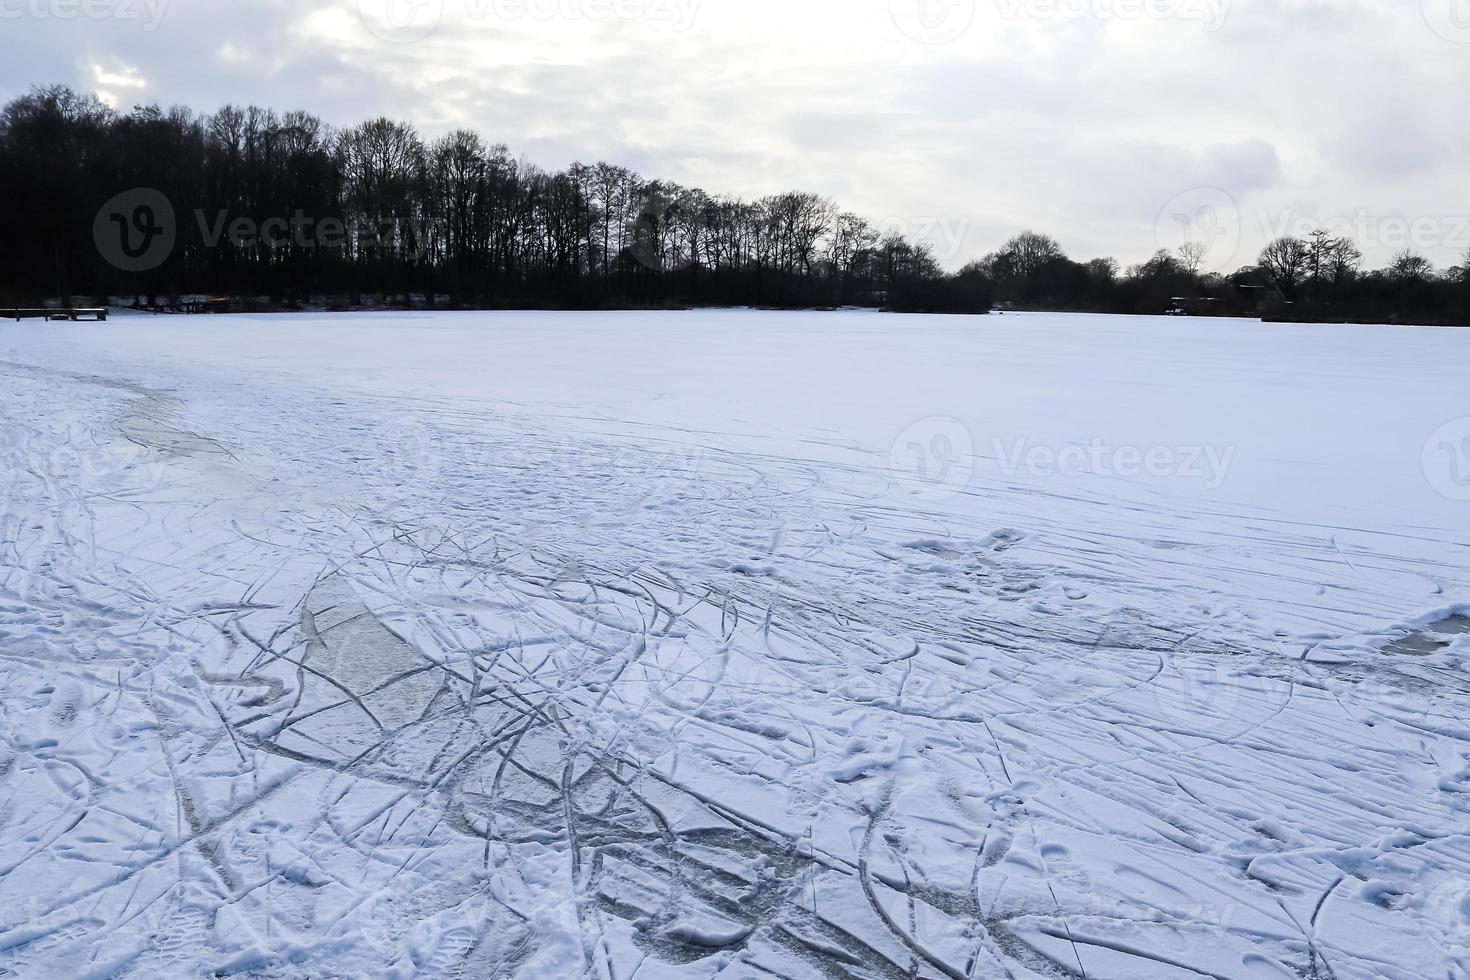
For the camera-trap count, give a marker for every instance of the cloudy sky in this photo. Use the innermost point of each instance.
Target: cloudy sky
(1118, 126)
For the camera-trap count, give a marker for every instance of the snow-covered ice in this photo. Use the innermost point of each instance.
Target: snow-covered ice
(736, 643)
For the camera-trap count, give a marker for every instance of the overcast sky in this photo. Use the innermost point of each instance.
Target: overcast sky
(1115, 125)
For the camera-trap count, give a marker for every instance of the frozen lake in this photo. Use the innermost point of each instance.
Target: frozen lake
(680, 644)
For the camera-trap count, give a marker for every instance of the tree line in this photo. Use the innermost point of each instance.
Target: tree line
(283, 206)
(246, 202)
(1318, 278)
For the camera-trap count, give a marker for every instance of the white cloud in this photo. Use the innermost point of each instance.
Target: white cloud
(1084, 126)
(115, 82)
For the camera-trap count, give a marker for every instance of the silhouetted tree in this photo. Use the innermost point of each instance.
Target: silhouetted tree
(283, 207)
(1410, 268)
(1192, 255)
(1285, 262)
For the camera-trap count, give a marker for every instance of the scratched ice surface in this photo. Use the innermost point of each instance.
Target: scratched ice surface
(736, 644)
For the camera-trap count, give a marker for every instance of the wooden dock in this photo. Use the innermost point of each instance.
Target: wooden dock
(69, 313)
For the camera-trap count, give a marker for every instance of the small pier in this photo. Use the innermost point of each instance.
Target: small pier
(65, 313)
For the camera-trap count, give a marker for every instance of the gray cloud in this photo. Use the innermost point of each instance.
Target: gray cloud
(1084, 126)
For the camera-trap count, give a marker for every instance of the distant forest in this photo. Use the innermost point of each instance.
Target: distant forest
(285, 211)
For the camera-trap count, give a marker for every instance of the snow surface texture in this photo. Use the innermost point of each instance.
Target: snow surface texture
(741, 644)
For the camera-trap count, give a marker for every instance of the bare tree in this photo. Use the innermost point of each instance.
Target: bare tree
(1285, 262)
(468, 219)
(1409, 267)
(1343, 263)
(1193, 253)
(1102, 272)
(457, 170)
(1320, 245)
(383, 167)
(1027, 253)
